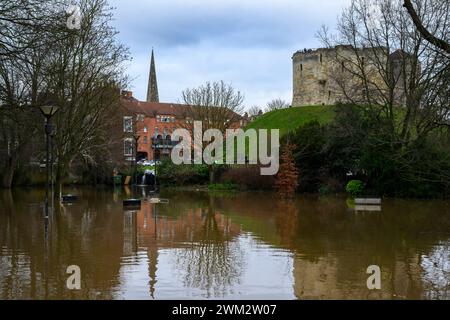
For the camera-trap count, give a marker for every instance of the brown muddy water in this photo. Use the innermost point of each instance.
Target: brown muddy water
(221, 246)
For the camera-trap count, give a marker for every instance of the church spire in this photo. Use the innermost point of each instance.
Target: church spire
(152, 90)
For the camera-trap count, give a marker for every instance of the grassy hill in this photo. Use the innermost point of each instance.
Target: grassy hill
(292, 118)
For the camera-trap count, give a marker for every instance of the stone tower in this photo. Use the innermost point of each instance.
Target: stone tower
(326, 76)
(152, 90)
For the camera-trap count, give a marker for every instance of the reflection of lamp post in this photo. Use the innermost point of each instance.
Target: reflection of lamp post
(48, 112)
(136, 139)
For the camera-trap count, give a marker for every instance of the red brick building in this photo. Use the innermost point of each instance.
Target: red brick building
(151, 123)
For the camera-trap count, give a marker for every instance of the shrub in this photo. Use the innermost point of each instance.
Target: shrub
(171, 174)
(309, 141)
(247, 177)
(223, 186)
(355, 187)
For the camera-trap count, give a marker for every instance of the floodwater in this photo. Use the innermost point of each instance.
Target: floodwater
(221, 246)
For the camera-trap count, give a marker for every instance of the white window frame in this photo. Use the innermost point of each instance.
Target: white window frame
(127, 124)
(131, 147)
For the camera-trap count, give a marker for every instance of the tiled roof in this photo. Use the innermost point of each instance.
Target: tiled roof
(151, 109)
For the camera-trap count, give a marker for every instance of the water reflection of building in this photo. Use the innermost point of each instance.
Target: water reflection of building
(177, 230)
(328, 249)
(326, 277)
(158, 229)
(332, 247)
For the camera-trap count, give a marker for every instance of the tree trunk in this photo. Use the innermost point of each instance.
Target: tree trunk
(10, 169)
(212, 172)
(8, 177)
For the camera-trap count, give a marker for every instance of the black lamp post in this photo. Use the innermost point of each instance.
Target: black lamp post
(136, 139)
(48, 112)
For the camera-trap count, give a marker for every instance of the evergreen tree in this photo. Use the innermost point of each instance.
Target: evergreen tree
(287, 177)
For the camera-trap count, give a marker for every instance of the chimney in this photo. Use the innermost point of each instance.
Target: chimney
(127, 94)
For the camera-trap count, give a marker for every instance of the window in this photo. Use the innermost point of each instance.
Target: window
(321, 58)
(165, 119)
(156, 131)
(128, 147)
(301, 67)
(145, 129)
(127, 124)
(140, 117)
(145, 139)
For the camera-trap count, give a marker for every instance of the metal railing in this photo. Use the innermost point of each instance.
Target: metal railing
(160, 143)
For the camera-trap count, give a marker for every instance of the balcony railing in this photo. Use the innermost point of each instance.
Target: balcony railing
(159, 143)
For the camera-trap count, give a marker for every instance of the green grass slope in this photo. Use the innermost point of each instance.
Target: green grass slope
(292, 118)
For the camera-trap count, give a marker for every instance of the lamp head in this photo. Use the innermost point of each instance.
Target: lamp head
(48, 111)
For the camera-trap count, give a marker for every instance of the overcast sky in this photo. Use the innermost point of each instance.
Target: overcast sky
(248, 43)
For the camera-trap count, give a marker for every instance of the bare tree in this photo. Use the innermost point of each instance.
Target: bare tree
(24, 23)
(254, 111)
(27, 29)
(383, 61)
(217, 105)
(276, 104)
(85, 77)
(79, 70)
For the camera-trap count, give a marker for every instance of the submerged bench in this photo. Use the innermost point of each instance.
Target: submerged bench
(68, 198)
(132, 203)
(158, 200)
(367, 208)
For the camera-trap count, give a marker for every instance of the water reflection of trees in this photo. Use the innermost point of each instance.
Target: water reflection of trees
(287, 222)
(214, 262)
(437, 272)
(87, 234)
(332, 246)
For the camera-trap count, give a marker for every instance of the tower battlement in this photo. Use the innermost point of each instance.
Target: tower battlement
(325, 76)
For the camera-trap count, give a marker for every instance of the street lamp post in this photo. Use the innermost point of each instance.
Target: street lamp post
(48, 112)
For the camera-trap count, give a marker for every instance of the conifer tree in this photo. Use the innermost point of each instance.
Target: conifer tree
(287, 178)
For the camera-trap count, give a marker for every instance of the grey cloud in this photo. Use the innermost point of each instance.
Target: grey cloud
(246, 42)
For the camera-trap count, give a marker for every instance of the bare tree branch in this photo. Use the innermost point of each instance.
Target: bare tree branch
(440, 43)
